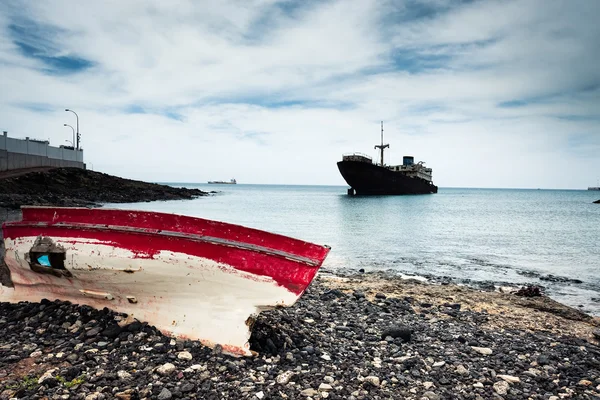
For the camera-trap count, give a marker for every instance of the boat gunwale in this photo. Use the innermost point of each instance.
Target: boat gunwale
(315, 263)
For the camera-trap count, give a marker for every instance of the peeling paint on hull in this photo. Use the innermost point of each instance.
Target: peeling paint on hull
(187, 285)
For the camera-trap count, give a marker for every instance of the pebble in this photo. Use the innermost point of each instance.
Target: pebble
(166, 369)
(124, 375)
(373, 380)
(460, 369)
(509, 379)
(340, 354)
(324, 387)
(482, 350)
(164, 394)
(501, 387)
(184, 355)
(284, 377)
(309, 392)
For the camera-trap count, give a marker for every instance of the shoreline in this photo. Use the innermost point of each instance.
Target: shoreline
(356, 337)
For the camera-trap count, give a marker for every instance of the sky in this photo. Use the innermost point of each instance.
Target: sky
(488, 93)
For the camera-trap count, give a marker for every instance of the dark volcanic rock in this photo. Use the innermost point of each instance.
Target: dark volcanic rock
(402, 332)
(328, 342)
(529, 291)
(70, 187)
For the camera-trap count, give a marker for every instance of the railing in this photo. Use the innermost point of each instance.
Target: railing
(357, 157)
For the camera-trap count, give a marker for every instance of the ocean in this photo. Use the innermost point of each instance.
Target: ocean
(549, 238)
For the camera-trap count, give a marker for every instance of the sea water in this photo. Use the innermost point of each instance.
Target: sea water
(549, 238)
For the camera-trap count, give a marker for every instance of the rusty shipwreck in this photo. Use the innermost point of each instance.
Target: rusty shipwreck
(191, 278)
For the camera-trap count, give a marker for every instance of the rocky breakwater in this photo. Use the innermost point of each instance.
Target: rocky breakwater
(68, 187)
(365, 337)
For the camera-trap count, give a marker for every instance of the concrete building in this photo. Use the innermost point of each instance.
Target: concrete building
(32, 153)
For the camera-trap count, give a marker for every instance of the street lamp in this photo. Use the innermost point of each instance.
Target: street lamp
(73, 142)
(66, 109)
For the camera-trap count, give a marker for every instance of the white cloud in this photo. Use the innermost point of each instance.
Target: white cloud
(276, 91)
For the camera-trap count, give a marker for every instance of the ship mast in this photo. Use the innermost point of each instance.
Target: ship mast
(382, 146)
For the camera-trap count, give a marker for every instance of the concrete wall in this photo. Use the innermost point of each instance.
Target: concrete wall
(26, 153)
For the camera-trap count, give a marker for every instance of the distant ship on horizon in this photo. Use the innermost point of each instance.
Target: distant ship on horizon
(367, 178)
(232, 181)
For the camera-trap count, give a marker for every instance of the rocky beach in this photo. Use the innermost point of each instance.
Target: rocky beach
(352, 335)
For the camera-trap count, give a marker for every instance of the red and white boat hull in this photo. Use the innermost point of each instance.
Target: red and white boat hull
(189, 277)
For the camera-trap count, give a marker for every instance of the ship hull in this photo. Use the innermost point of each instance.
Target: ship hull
(371, 179)
(189, 277)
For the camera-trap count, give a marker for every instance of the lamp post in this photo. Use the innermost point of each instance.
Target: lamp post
(77, 116)
(73, 142)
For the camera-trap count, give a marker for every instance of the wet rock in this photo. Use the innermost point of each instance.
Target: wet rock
(529, 291)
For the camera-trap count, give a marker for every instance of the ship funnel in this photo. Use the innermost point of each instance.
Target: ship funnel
(408, 160)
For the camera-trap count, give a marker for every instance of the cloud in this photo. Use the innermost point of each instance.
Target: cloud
(274, 91)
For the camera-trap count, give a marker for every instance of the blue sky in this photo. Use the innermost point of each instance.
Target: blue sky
(488, 93)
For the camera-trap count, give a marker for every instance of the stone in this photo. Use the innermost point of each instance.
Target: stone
(126, 395)
(47, 375)
(187, 387)
(509, 379)
(431, 395)
(324, 387)
(584, 382)
(501, 387)
(482, 350)
(184, 355)
(165, 369)
(92, 332)
(461, 370)
(439, 364)
(124, 375)
(93, 396)
(373, 380)
(36, 354)
(164, 394)
(309, 392)
(478, 385)
(112, 331)
(284, 377)
(260, 395)
(428, 385)
(399, 331)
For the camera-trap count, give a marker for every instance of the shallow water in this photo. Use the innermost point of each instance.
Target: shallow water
(471, 235)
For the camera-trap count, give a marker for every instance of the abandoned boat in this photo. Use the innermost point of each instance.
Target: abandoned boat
(367, 178)
(191, 278)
